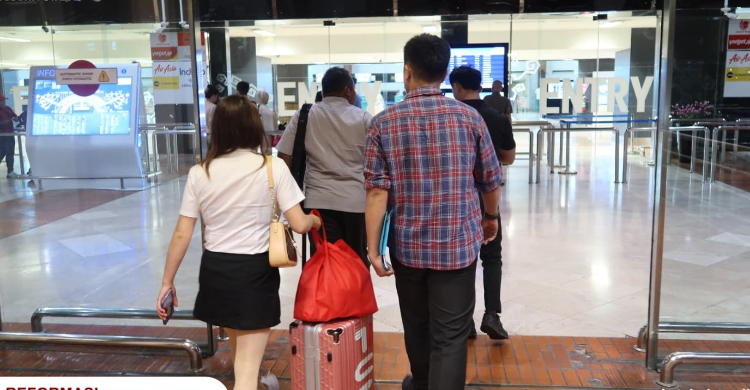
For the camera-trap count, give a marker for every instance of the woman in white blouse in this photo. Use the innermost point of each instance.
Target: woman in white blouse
(239, 290)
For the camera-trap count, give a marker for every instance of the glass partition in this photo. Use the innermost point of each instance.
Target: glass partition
(706, 246)
(95, 186)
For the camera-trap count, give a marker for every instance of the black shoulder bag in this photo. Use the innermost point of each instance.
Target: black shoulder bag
(299, 156)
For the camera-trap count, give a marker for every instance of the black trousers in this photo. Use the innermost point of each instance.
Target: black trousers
(492, 269)
(8, 151)
(349, 227)
(436, 310)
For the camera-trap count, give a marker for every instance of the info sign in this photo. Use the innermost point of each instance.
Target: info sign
(83, 78)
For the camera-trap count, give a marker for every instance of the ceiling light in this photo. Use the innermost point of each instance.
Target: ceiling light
(11, 64)
(429, 29)
(14, 39)
(610, 24)
(264, 33)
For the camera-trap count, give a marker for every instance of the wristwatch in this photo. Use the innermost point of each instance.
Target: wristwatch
(495, 216)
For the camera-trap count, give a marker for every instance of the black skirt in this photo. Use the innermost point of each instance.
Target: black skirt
(238, 291)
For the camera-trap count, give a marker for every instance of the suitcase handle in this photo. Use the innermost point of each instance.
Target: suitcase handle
(336, 334)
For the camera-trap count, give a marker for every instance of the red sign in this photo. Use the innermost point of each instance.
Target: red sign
(83, 89)
(739, 42)
(163, 53)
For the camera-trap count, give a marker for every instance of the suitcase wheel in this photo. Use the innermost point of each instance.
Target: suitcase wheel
(269, 382)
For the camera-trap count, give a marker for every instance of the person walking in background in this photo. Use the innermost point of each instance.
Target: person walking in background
(212, 96)
(243, 88)
(467, 84)
(229, 190)
(267, 115)
(7, 143)
(425, 158)
(499, 102)
(334, 143)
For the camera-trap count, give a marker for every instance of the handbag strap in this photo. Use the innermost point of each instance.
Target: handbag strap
(269, 169)
(316, 236)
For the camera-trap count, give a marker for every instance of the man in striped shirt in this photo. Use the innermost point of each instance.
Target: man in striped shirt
(425, 158)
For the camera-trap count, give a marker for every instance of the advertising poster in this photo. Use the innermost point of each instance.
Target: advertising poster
(170, 46)
(737, 75)
(173, 82)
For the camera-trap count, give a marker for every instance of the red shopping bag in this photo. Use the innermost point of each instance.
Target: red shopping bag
(334, 284)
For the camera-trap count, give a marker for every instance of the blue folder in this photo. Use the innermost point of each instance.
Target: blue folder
(384, 233)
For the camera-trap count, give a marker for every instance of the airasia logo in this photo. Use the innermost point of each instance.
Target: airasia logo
(744, 25)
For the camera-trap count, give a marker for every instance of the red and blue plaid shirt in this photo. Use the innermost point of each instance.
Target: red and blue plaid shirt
(432, 153)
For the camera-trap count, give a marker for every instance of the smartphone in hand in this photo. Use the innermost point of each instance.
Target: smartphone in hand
(167, 303)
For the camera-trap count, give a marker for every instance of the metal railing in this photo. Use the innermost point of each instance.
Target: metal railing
(170, 131)
(531, 151)
(576, 130)
(20, 135)
(674, 359)
(715, 146)
(209, 349)
(192, 349)
(692, 328)
(706, 138)
(120, 178)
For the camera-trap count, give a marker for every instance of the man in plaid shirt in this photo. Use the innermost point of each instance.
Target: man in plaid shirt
(425, 158)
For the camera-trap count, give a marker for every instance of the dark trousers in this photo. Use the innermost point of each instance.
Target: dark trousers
(349, 227)
(436, 310)
(492, 268)
(8, 151)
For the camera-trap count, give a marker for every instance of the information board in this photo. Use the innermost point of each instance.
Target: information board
(491, 60)
(58, 111)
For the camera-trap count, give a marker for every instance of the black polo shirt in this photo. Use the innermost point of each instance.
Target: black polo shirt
(498, 124)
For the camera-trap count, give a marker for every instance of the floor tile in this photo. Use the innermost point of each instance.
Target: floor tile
(99, 244)
(731, 238)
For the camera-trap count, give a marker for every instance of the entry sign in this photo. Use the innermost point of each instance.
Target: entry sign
(83, 77)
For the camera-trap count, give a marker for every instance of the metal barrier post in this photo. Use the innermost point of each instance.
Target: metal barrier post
(693, 150)
(625, 156)
(531, 156)
(617, 156)
(567, 170)
(539, 143)
(706, 155)
(20, 154)
(222, 335)
(551, 153)
(176, 153)
(714, 152)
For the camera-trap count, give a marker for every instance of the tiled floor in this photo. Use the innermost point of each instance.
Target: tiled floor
(523, 362)
(576, 251)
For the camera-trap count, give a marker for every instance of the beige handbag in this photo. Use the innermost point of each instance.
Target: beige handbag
(282, 250)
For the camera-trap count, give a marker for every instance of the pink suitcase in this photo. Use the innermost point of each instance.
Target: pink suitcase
(332, 356)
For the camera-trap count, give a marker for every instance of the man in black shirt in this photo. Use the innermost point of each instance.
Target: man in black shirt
(467, 84)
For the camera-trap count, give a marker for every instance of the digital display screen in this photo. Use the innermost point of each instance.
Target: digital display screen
(58, 111)
(490, 60)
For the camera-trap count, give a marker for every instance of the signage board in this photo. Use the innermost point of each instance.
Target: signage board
(86, 76)
(737, 71)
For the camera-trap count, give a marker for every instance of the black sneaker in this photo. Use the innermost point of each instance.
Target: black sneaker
(492, 326)
(407, 383)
